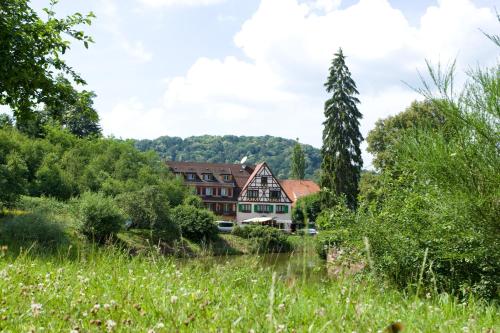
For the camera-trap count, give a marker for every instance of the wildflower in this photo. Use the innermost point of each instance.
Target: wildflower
(281, 328)
(173, 299)
(281, 307)
(160, 325)
(36, 309)
(110, 325)
(106, 306)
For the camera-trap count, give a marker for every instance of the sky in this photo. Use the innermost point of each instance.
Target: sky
(257, 67)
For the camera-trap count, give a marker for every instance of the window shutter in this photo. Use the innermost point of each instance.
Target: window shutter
(286, 209)
(270, 208)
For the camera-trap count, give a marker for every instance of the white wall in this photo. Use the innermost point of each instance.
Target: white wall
(244, 216)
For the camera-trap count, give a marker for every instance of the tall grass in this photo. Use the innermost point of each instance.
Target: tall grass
(105, 289)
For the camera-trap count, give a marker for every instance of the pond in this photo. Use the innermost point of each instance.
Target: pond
(294, 265)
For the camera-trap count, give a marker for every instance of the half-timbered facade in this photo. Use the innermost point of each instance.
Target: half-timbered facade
(264, 197)
(217, 184)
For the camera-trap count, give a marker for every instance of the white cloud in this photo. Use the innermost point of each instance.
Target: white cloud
(278, 89)
(112, 22)
(167, 3)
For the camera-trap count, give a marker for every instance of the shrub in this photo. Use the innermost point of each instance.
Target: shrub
(149, 209)
(338, 216)
(331, 239)
(264, 238)
(196, 224)
(99, 216)
(23, 230)
(311, 206)
(193, 200)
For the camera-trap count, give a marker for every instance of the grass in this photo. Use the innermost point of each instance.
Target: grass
(105, 289)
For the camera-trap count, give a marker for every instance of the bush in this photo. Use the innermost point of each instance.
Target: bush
(332, 239)
(193, 200)
(339, 216)
(196, 224)
(24, 230)
(264, 238)
(99, 216)
(149, 209)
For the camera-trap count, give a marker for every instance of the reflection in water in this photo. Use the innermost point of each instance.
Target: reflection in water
(302, 265)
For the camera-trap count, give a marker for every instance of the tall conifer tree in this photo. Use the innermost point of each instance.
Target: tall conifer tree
(298, 162)
(341, 156)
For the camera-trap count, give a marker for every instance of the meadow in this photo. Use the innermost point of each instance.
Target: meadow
(105, 289)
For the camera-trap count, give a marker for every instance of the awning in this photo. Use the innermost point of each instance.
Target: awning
(259, 219)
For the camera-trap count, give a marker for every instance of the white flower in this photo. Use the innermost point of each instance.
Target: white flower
(160, 325)
(110, 324)
(36, 309)
(173, 299)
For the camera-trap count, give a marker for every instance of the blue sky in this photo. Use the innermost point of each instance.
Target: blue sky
(256, 67)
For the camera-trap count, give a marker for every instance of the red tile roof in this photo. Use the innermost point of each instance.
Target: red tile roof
(296, 189)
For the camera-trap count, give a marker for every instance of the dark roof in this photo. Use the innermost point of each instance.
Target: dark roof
(240, 174)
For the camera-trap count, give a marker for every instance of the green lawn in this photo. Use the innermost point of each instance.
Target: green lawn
(106, 290)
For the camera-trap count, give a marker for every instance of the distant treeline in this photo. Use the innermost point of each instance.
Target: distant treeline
(275, 151)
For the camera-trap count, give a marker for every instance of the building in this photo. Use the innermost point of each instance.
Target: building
(218, 184)
(263, 199)
(296, 189)
(244, 193)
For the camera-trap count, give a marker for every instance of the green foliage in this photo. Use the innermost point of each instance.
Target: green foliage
(206, 295)
(332, 239)
(342, 162)
(298, 162)
(62, 165)
(277, 152)
(149, 209)
(193, 200)
(311, 204)
(438, 197)
(339, 216)
(298, 216)
(196, 224)
(388, 132)
(99, 216)
(37, 227)
(264, 239)
(31, 55)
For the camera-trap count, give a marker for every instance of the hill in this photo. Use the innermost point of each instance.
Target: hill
(275, 151)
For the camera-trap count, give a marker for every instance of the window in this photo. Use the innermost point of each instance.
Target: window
(253, 194)
(263, 208)
(223, 192)
(274, 194)
(190, 176)
(227, 207)
(207, 177)
(245, 208)
(227, 178)
(281, 209)
(208, 191)
(263, 181)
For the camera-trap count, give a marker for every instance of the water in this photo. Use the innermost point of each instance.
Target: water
(295, 265)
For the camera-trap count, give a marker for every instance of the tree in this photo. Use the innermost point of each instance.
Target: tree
(342, 162)
(30, 54)
(298, 162)
(73, 110)
(389, 131)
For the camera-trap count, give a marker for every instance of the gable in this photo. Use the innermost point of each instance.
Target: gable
(262, 186)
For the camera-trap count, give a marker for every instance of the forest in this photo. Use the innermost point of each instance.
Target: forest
(275, 151)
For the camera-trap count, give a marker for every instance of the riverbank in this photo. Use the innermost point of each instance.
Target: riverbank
(106, 289)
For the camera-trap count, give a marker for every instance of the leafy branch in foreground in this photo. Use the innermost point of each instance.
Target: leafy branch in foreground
(30, 54)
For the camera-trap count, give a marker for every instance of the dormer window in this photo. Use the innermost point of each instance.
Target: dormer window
(190, 176)
(207, 177)
(227, 178)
